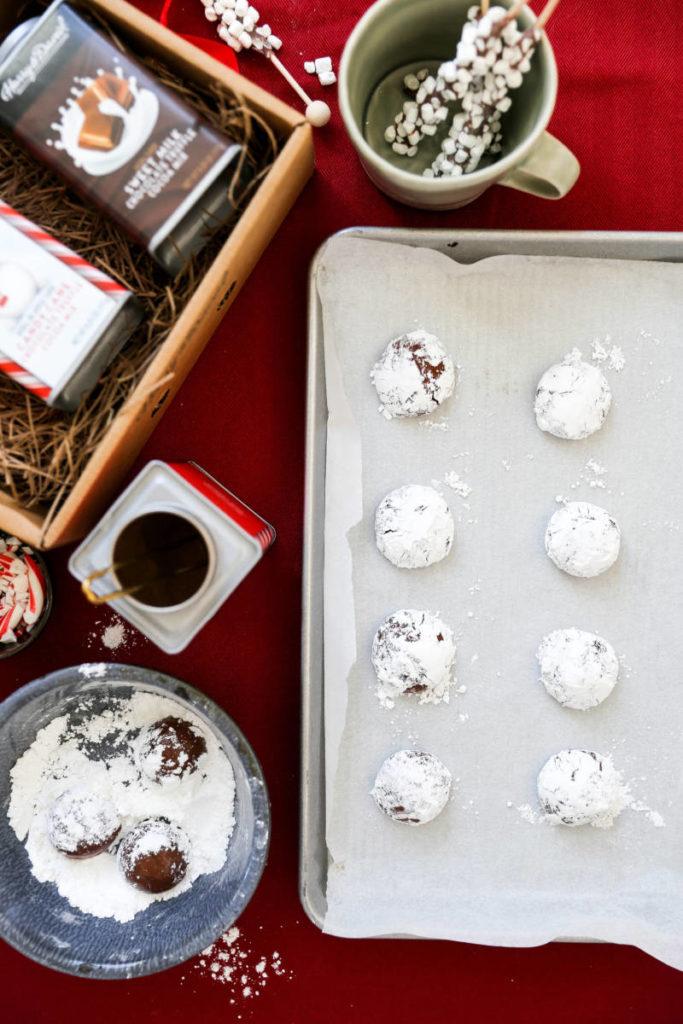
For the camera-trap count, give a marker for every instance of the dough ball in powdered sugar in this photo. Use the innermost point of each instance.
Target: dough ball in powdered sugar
(81, 823)
(572, 399)
(170, 749)
(580, 787)
(578, 669)
(414, 527)
(413, 376)
(413, 653)
(582, 539)
(154, 855)
(412, 787)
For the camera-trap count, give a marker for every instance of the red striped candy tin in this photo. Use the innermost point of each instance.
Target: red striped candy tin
(170, 551)
(61, 319)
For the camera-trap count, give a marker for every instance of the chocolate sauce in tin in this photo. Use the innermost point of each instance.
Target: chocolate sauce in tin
(115, 133)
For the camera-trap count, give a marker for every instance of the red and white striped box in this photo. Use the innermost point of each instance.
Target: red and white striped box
(61, 319)
(236, 538)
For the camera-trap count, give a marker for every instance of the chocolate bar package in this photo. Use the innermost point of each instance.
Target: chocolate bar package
(116, 134)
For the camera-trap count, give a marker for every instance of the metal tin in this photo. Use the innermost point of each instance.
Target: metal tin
(61, 319)
(235, 537)
(465, 247)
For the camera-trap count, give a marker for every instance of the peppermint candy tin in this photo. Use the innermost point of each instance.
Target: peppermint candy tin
(170, 551)
(25, 595)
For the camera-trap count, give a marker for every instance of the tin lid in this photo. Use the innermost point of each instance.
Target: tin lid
(236, 550)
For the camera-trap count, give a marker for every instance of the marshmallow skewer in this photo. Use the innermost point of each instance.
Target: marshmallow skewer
(491, 58)
(430, 107)
(237, 25)
(476, 129)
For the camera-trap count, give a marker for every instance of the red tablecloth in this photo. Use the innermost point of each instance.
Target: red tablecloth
(241, 415)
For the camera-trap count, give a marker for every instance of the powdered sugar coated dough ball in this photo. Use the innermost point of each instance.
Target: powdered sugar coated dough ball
(413, 376)
(582, 539)
(414, 527)
(578, 669)
(572, 399)
(580, 787)
(413, 653)
(412, 787)
(81, 823)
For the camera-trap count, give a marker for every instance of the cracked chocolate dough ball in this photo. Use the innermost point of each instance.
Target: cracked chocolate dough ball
(412, 787)
(578, 669)
(170, 749)
(572, 399)
(81, 823)
(582, 539)
(154, 855)
(580, 787)
(413, 653)
(414, 527)
(413, 376)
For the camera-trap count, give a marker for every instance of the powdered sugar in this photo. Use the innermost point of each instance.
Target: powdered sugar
(457, 484)
(96, 751)
(113, 633)
(603, 351)
(230, 961)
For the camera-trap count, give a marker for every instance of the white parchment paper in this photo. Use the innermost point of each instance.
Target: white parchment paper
(490, 870)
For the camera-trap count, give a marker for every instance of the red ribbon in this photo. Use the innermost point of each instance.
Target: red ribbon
(219, 50)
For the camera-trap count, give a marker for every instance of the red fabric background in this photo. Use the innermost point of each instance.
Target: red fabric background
(241, 415)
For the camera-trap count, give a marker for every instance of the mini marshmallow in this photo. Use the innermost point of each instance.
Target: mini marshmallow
(309, 65)
(210, 14)
(411, 82)
(241, 7)
(327, 78)
(275, 42)
(390, 134)
(323, 64)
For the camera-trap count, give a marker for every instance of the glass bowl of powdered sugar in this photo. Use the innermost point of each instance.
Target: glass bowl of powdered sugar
(83, 730)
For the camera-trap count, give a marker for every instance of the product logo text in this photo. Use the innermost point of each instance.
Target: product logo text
(41, 54)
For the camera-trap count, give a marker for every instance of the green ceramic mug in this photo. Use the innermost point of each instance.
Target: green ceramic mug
(397, 36)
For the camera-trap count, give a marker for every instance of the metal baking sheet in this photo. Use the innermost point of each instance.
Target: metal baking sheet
(464, 247)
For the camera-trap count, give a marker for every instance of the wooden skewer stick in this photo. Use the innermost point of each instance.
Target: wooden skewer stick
(515, 10)
(317, 111)
(544, 16)
(484, 6)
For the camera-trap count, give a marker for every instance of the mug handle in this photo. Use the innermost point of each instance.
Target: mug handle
(549, 171)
